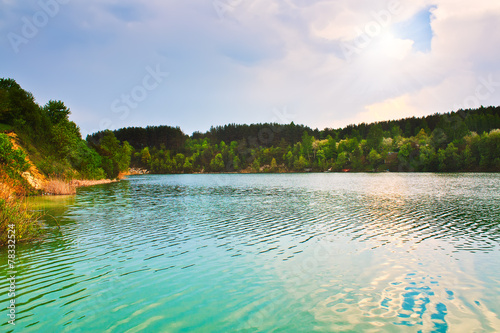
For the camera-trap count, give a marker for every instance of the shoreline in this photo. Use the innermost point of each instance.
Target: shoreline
(85, 182)
(61, 187)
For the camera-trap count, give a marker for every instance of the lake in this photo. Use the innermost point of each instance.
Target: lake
(326, 252)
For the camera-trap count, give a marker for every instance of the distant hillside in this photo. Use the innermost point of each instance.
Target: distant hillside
(151, 136)
(465, 140)
(455, 124)
(51, 141)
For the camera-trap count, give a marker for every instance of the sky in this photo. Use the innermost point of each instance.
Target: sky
(202, 63)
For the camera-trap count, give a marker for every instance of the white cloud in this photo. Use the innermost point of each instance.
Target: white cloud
(261, 54)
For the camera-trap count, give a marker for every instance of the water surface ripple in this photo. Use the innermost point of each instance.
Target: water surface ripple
(257, 253)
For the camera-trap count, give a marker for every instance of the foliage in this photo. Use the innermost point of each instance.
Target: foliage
(12, 160)
(374, 159)
(465, 140)
(217, 163)
(432, 145)
(24, 222)
(115, 156)
(88, 161)
(151, 136)
(53, 141)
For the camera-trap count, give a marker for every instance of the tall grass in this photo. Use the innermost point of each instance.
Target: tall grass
(14, 212)
(59, 187)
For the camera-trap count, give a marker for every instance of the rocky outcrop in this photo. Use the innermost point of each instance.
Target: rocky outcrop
(33, 176)
(34, 180)
(37, 182)
(137, 171)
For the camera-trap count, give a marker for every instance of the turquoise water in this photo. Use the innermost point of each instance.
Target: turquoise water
(266, 253)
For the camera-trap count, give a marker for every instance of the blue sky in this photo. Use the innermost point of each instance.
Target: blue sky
(418, 29)
(200, 63)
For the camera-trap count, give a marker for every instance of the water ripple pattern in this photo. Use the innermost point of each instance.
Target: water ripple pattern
(261, 253)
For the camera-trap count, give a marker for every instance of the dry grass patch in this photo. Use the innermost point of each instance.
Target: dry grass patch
(59, 187)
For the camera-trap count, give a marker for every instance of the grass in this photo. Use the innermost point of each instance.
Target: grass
(59, 187)
(15, 215)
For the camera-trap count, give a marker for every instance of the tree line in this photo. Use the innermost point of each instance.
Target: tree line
(465, 140)
(53, 142)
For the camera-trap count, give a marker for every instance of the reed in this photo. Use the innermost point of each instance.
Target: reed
(14, 214)
(59, 187)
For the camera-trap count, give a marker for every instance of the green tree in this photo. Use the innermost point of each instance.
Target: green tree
(439, 138)
(109, 143)
(396, 131)
(114, 156)
(145, 156)
(449, 159)
(405, 156)
(217, 163)
(374, 137)
(469, 159)
(357, 159)
(274, 165)
(300, 164)
(427, 159)
(342, 161)
(321, 159)
(87, 161)
(12, 160)
(65, 137)
(124, 156)
(374, 158)
(236, 163)
(489, 149)
(256, 165)
(56, 111)
(307, 145)
(188, 166)
(288, 158)
(179, 160)
(330, 148)
(422, 137)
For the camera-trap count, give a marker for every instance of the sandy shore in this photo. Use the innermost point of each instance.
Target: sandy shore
(82, 183)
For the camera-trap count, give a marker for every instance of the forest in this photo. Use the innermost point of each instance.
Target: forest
(53, 142)
(465, 141)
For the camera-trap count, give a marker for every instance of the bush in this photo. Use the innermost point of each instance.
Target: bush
(25, 223)
(14, 160)
(53, 167)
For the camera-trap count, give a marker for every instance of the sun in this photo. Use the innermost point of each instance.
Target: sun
(387, 46)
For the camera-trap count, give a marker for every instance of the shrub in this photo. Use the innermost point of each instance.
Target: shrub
(14, 160)
(25, 223)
